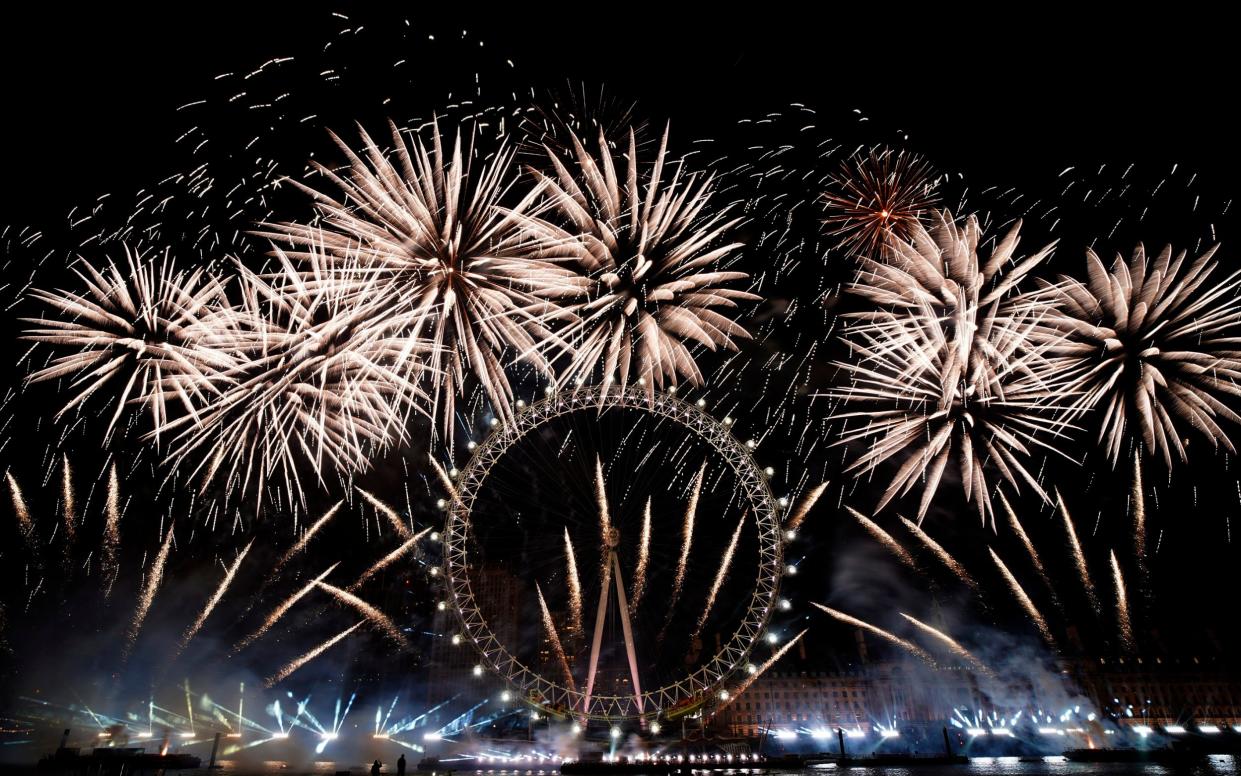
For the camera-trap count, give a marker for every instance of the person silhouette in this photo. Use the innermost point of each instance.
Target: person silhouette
(400, 765)
(375, 768)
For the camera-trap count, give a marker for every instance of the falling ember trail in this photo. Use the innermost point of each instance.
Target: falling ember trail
(19, 506)
(388, 559)
(644, 559)
(1079, 557)
(884, 538)
(1139, 525)
(306, 537)
(953, 645)
(192, 631)
(69, 502)
(720, 575)
(376, 617)
(389, 513)
(601, 498)
(1123, 624)
(804, 506)
(908, 646)
(297, 663)
(687, 539)
(1026, 542)
(1023, 599)
(280, 610)
(939, 552)
(550, 626)
(111, 532)
(147, 597)
(444, 479)
(760, 670)
(575, 586)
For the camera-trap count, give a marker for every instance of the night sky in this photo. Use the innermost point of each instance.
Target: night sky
(1001, 104)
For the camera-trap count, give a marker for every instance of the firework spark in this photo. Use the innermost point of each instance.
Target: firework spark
(393, 516)
(448, 265)
(1123, 624)
(1139, 522)
(944, 364)
(549, 625)
(877, 195)
(601, 500)
(649, 254)
(1020, 594)
(1026, 542)
(68, 502)
(138, 326)
(1153, 344)
(388, 559)
(111, 531)
(216, 597)
(687, 537)
(284, 607)
(644, 558)
(761, 669)
(721, 574)
(20, 510)
(884, 538)
(313, 385)
(953, 645)
(575, 586)
(444, 479)
(302, 543)
(1079, 557)
(147, 596)
(302, 660)
(939, 552)
(908, 646)
(373, 615)
(804, 506)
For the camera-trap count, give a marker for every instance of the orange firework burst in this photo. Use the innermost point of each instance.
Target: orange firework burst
(880, 193)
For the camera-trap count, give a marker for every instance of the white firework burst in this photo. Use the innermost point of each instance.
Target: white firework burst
(426, 245)
(319, 382)
(650, 252)
(134, 334)
(1151, 345)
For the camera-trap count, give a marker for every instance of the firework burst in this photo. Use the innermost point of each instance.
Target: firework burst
(649, 254)
(135, 334)
(215, 599)
(549, 625)
(726, 562)
(574, 585)
(302, 660)
(644, 558)
(1022, 598)
(908, 646)
(282, 609)
(952, 644)
(1123, 623)
(878, 195)
(147, 597)
(373, 615)
(446, 263)
(313, 385)
(1151, 345)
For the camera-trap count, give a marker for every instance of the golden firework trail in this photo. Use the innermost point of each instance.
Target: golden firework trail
(804, 506)
(298, 662)
(1026, 542)
(687, 537)
(575, 586)
(952, 644)
(550, 626)
(644, 559)
(1079, 557)
(760, 670)
(280, 610)
(389, 559)
(302, 543)
(376, 617)
(1139, 525)
(387, 512)
(111, 531)
(24, 522)
(69, 502)
(444, 479)
(216, 597)
(884, 538)
(725, 563)
(1123, 624)
(908, 646)
(939, 552)
(1020, 594)
(147, 596)
(601, 498)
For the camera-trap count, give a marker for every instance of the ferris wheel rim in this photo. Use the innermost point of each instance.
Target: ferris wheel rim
(697, 686)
